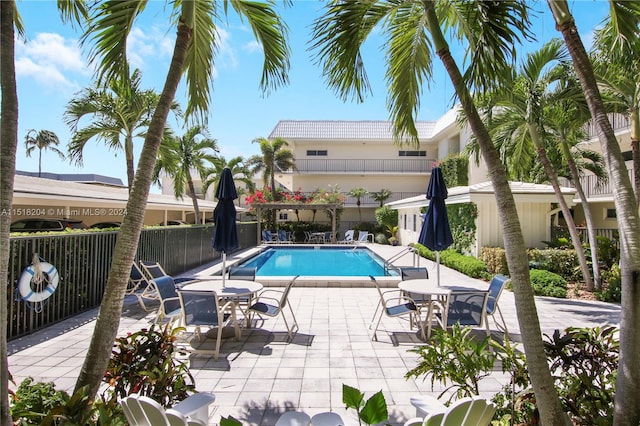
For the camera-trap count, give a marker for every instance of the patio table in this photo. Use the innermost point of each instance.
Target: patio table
(435, 297)
(235, 290)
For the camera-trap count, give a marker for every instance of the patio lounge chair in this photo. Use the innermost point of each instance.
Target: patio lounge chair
(267, 238)
(475, 411)
(271, 302)
(348, 237)
(144, 411)
(202, 309)
(394, 303)
(327, 418)
(365, 237)
(154, 270)
(284, 237)
(139, 286)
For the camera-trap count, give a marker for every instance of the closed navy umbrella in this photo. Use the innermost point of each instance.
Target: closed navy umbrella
(225, 231)
(436, 232)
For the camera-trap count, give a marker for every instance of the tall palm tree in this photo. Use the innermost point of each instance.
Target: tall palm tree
(42, 140)
(358, 193)
(117, 115)
(239, 170)
(625, 16)
(195, 44)
(618, 71)
(381, 196)
(194, 151)
(274, 157)
(519, 119)
(9, 22)
(414, 34)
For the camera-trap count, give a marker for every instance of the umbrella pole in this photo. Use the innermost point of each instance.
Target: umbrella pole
(224, 266)
(438, 267)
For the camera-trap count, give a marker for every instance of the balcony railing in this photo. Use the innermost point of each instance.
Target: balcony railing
(618, 122)
(592, 188)
(422, 165)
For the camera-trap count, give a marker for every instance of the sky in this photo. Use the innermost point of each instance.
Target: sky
(51, 68)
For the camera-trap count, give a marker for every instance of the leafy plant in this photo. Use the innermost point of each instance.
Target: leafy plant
(371, 411)
(144, 363)
(456, 360)
(585, 362)
(230, 421)
(546, 283)
(32, 401)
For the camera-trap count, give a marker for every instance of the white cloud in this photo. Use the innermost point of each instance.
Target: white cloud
(225, 56)
(252, 47)
(51, 60)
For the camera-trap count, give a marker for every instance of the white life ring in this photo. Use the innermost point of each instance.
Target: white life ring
(24, 284)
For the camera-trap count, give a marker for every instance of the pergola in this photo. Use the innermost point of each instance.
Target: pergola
(330, 207)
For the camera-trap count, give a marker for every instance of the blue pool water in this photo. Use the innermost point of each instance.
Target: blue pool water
(318, 261)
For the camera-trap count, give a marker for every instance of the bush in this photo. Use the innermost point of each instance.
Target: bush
(496, 260)
(546, 283)
(468, 265)
(563, 262)
(612, 289)
(386, 216)
(33, 400)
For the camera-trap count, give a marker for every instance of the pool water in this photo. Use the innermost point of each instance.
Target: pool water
(318, 261)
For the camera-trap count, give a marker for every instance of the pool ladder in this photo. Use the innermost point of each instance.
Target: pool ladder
(388, 262)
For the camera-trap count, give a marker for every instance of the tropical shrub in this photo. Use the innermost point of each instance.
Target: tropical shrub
(612, 289)
(546, 283)
(584, 362)
(145, 363)
(468, 265)
(495, 258)
(563, 262)
(386, 216)
(32, 401)
(372, 411)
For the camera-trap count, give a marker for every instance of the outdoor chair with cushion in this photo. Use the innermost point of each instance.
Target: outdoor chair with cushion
(272, 302)
(348, 237)
(169, 309)
(394, 303)
(415, 273)
(474, 411)
(242, 273)
(202, 309)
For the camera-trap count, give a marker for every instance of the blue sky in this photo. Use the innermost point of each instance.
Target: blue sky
(51, 68)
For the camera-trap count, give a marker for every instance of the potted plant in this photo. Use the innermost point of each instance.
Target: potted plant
(393, 230)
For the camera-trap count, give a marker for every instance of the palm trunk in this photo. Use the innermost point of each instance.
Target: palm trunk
(8, 148)
(627, 399)
(192, 193)
(635, 151)
(40, 163)
(97, 359)
(571, 225)
(547, 400)
(591, 229)
(128, 153)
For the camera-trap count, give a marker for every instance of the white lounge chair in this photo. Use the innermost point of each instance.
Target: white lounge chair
(144, 411)
(475, 411)
(293, 418)
(348, 237)
(365, 237)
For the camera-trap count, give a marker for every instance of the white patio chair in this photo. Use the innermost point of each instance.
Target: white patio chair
(348, 237)
(394, 303)
(365, 237)
(271, 302)
(293, 418)
(144, 411)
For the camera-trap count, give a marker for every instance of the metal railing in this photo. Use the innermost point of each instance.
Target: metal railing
(592, 187)
(422, 165)
(83, 261)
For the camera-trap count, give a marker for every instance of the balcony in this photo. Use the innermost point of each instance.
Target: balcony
(591, 187)
(618, 122)
(355, 166)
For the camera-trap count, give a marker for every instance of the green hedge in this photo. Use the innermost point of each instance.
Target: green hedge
(468, 265)
(545, 283)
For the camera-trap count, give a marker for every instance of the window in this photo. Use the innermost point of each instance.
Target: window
(414, 223)
(610, 214)
(317, 152)
(283, 216)
(412, 153)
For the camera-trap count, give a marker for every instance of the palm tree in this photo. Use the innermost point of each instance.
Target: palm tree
(413, 32)
(358, 193)
(181, 156)
(381, 196)
(9, 22)
(618, 71)
(196, 42)
(519, 119)
(275, 157)
(626, 18)
(42, 140)
(118, 115)
(239, 170)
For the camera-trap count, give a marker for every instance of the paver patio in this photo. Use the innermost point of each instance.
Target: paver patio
(263, 374)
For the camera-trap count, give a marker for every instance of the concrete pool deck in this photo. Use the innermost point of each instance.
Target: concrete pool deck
(262, 375)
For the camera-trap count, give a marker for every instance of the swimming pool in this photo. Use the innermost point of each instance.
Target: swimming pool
(319, 261)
